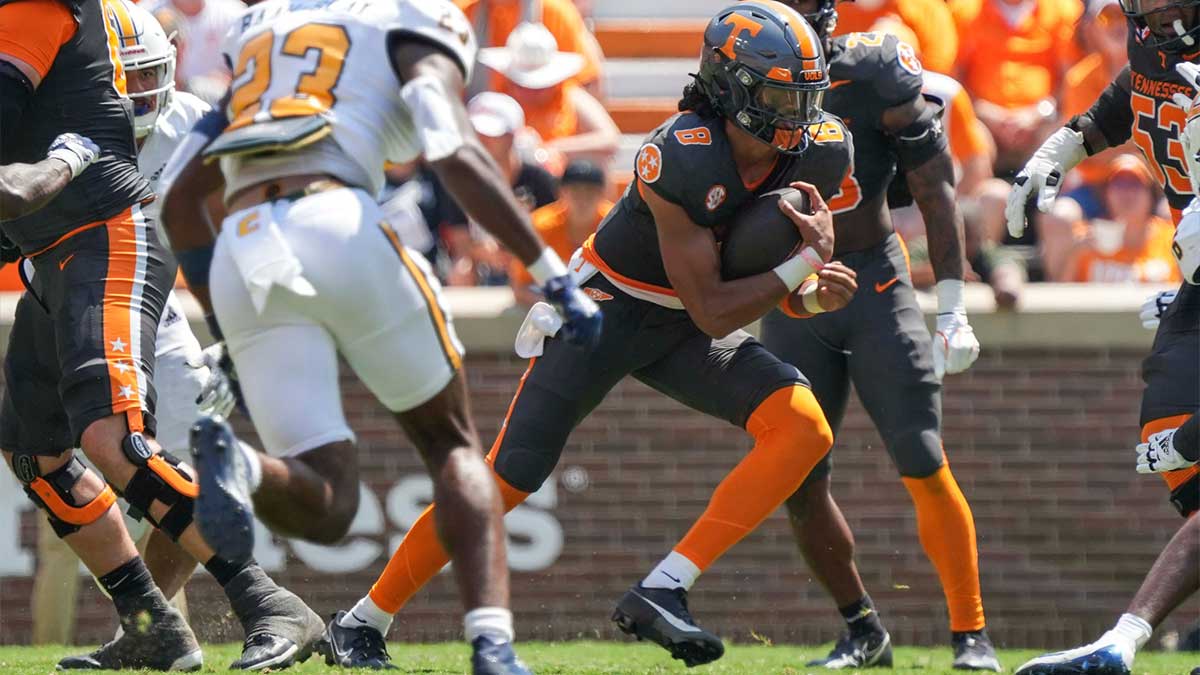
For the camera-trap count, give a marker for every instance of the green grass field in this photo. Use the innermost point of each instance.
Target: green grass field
(572, 658)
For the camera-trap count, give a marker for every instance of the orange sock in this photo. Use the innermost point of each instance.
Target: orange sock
(947, 532)
(791, 435)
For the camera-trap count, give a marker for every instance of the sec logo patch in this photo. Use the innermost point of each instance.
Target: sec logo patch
(715, 197)
(649, 163)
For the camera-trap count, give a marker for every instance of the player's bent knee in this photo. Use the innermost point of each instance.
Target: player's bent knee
(792, 411)
(523, 468)
(158, 477)
(55, 493)
(917, 452)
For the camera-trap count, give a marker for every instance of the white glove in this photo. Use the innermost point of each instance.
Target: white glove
(1186, 245)
(77, 151)
(216, 396)
(1153, 308)
(1159, 454)
(954, 345)
(1043, 174)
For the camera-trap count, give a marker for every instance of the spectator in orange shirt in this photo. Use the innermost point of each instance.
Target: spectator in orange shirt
(495, 20)
(539, 76)
(566, 223)
(1013, 67)
(930, 25)
(1104, 37)
(1132, 244)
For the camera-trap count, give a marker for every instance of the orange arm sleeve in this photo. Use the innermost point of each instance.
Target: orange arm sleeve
(31, 32)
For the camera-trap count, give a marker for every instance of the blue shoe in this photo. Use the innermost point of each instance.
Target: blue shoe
(224, 512)
(495, 658)
(661, 615)
(1103, 657)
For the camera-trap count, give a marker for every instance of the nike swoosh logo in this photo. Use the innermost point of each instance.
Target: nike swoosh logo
(879, 288)
(668, 575)
(62, 264)
(837, 83)
(671, 618)
(582, 262)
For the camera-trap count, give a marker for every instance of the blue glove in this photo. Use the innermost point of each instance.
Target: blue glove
(77, 151)
(582, 319)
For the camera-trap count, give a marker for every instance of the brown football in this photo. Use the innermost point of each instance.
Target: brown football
(761, 236)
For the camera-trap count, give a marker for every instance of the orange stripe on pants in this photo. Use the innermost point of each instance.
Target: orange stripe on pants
(124, 281)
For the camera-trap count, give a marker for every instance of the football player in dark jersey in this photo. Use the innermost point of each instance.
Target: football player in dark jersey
(80, 360)
(881, 342)
(751, 123)
(1153, 100)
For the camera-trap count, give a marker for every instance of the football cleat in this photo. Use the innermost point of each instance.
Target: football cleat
(223, 510)
(1097, 658)
(661, 616)
(489, 657)
(156, 639)
(873, 650)
(973, 650)
(358, 647)
(280, 629)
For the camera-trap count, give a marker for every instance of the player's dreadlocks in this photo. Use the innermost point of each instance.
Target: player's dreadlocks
(695, 100)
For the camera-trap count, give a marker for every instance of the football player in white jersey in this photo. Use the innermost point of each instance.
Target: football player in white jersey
(305, 269)
(280, 629)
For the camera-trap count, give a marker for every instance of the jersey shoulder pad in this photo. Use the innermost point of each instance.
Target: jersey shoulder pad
(674, 152)
(441, 23)
(883, 59)
(183, 112)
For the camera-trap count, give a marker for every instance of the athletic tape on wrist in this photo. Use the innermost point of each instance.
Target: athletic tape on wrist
(546, 267)
(793, 271)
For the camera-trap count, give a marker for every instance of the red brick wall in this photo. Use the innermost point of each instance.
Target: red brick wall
(1041, 442)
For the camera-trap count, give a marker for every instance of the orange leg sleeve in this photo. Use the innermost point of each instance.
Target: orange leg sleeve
(791, 435)
(947, 531)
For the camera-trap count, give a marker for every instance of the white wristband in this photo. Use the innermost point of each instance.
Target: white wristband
(72, 159)
(546, 267)
(950, 297)
(793, 271)
(808, 296)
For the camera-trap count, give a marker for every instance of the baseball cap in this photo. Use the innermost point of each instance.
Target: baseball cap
(1129, 165)
(494, 114)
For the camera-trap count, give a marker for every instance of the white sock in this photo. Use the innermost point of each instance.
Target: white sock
(675, 571)
(254, 464)
(366, 613)
(1130, 634)
(494, 622)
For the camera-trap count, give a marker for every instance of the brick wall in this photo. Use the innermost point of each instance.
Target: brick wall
(1041, 441)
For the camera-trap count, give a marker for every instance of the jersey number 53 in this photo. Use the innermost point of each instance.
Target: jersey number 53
(1156, 129)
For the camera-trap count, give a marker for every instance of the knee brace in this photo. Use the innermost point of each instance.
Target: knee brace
(52, 492)
(158, 477)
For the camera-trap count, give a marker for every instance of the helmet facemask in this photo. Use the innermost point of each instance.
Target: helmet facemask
(1181, 37)
(782, 114)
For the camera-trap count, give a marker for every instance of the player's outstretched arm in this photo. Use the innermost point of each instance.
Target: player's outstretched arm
(432, 87)
(693, 265)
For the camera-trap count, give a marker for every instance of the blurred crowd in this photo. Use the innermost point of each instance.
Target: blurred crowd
(1010, 72)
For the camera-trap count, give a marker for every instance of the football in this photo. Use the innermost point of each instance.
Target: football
(761, 236)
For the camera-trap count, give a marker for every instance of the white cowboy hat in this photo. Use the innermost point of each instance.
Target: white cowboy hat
(531, 59)
(495, 114)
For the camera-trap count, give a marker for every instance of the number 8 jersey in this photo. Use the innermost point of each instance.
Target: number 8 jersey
(1138, 105)
(313, 91)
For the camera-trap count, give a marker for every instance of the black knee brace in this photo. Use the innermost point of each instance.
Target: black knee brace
(52, 492)
(158, 478)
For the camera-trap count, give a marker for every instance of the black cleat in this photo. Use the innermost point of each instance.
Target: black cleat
(495, 658)
(280, 629)
(156, 639)
(224, 512)
(359, 647)
(661, 616)
(873, 650)
(973, 650)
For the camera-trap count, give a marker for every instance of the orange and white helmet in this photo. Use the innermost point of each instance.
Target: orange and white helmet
(144, 45)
